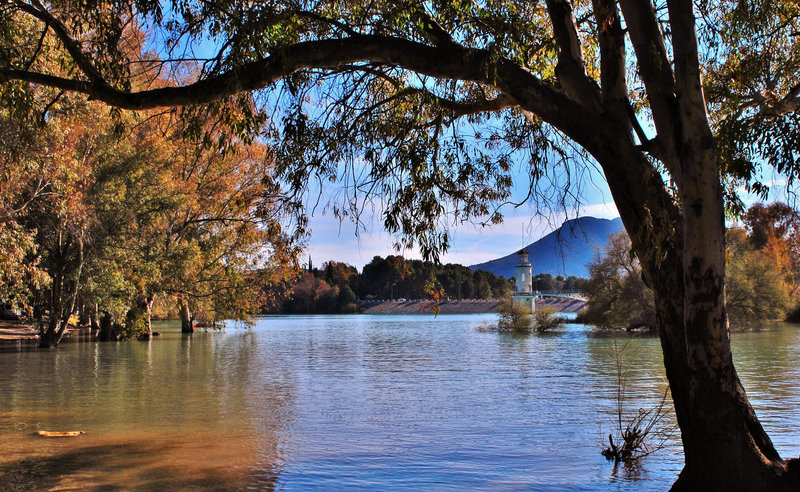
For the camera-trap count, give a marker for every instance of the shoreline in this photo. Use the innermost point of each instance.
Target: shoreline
(17, 331)
(22, 331)
(557, 304)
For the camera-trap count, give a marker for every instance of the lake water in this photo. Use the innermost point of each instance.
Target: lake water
(355, 402)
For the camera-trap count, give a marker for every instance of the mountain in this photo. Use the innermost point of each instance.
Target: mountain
(565, 251)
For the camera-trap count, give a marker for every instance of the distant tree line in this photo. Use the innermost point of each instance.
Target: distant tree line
(545, 282)
(762, 274)
(337, 287)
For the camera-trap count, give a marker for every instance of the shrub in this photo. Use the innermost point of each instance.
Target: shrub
(638, 433)
(546, 319)
(514, 318)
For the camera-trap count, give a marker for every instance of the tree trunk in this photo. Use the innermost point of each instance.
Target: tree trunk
(84, 316)
(137, 320)
(94, 321)
(682, 253)
(725, 446)
(146, 309)
(187, 321)
(66, 275)
(104, 334)
(52, 334)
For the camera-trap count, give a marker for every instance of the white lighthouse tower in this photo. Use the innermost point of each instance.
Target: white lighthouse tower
(524, 294)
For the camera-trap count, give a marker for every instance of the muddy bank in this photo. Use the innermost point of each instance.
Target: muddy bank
(11, 331)
(464, 307)
(24, 331)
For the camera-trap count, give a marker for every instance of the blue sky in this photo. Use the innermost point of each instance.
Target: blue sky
(470, 244)
(335, 240)
(332, 240)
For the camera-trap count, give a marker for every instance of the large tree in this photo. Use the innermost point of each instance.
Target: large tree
(393, 97)
(102, 219)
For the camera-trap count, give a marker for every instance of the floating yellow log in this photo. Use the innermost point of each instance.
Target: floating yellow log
(60, 433)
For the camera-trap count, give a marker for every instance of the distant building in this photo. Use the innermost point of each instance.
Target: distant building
(523, 292)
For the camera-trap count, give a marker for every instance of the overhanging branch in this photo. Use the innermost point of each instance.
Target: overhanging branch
(790, 103)
(450, 62)
(37, 10)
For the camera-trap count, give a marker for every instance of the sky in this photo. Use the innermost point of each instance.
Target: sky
(332, 240)
(335, 240)
(470, 244)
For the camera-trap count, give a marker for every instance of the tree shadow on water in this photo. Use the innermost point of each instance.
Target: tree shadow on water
(45, 472)
(118, 466)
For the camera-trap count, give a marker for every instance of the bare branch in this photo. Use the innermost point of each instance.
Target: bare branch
(688, 79)
(790, 103)
(39, 46)
(464, 108)
(432, 30)
(612, 52)
(50, 105)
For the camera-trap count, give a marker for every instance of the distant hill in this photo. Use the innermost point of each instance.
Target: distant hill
(565, 251)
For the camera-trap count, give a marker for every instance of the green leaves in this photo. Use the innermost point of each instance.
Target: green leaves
(20, 272)
(753, 68)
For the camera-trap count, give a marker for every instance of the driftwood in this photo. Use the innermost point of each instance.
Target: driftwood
(60, 433)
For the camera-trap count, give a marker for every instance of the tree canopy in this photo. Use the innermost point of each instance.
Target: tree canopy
(760, 279)
(106, 218)
(425, 108)
(337, 286)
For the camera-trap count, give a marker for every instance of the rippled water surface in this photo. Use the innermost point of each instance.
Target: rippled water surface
(356, 402)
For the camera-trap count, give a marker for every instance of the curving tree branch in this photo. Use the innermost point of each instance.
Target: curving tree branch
(571, 69)
(450, 62)
(39, 11)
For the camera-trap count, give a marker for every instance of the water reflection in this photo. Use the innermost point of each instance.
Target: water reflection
(363, 402)
(175, 412)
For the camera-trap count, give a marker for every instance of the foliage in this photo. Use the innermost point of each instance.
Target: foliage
(20, 275)
(753, 62)
(514, 318)
(546, 282)
(51, 178)
(775, 230)
(546, 319)
(616, 294)
(337, 287)
(756, 285)
(760, 275)
(114, 216)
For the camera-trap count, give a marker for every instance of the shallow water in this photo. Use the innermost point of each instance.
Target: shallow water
(356, 402)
